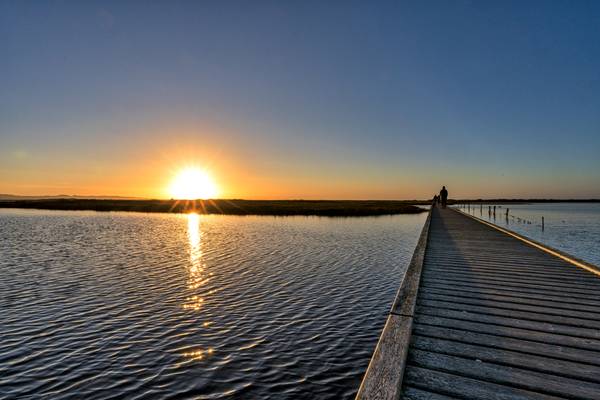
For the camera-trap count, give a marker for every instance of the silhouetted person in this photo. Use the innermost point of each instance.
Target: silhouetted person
(444, 196)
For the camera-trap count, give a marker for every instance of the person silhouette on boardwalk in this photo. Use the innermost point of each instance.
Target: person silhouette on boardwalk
(444, 196)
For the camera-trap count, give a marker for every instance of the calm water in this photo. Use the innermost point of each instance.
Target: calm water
(118, 305)
(570, 227)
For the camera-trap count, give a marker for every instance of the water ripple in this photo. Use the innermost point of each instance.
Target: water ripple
(117, 305)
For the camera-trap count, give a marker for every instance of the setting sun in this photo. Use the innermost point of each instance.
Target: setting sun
(191, 184)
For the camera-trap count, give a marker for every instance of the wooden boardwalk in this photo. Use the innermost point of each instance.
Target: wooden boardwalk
(491, 318)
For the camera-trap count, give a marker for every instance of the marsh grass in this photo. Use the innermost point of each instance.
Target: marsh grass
(329, 208)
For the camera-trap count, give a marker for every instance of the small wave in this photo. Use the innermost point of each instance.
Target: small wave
(94, 305)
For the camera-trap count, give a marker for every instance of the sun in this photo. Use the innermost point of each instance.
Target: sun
(191, 184)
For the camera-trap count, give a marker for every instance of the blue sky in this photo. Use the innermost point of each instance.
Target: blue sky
(309, 99)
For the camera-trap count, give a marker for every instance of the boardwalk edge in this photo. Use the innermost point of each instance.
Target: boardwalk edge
(383, 378)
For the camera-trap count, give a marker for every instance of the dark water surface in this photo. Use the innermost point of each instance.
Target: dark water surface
(125, 305)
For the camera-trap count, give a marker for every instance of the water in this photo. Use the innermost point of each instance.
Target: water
(570, 227)
(126, 305)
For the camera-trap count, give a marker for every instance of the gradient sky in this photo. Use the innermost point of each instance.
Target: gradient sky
(302, 99)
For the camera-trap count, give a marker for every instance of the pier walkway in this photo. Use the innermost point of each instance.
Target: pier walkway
(483, 315)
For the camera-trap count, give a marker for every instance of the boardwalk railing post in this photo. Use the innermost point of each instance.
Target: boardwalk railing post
(542, 224)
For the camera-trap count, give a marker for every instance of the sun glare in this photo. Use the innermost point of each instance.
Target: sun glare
(192, 184)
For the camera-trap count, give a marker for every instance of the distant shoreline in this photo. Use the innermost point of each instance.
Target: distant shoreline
(326, 208)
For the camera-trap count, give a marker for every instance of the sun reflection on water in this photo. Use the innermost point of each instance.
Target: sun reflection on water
(197, 276)
(198, 354)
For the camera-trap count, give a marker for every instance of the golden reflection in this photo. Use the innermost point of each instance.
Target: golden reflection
(198, 354)
(196, 277)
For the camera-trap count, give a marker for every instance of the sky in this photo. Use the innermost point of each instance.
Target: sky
(301, 99)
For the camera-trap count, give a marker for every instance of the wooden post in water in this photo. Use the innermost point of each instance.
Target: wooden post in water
(480, 209)
(542, 224)
(507, 214)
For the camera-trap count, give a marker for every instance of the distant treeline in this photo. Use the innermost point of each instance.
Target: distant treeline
(330, 208)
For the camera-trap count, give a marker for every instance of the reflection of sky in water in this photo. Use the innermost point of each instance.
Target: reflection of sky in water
(571, 227)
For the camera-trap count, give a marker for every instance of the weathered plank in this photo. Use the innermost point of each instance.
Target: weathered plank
(509, 279)
(489, 327)
(516, 377)
(487, 353)
(509, 296)
(546, 308)
(481, 284)
(506, 321)
(412, 393)
(467, 388)
(383, 378)
(525, 272)
(435, 328)
(556, 320)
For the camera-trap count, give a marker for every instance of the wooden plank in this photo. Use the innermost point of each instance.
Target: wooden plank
(575, 323)
(531, 276)
(509, 295)
(516, 377)
(412, 393)
(540, 327)
(547, 308)
(466, 388)
(491, 327)
(508, 280)
(496, 285)
(535, 362)
(522, 345)
(508, 288)
(509, 254)
(383, 379)
(486, 257)
(525, 272)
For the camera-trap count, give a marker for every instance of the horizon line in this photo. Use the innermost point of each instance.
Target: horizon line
(133, 198)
